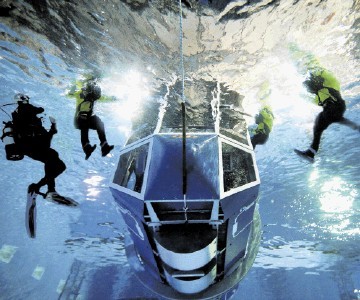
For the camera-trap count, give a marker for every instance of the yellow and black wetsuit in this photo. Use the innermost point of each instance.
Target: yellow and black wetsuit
(264, 121)
(326, 89)
(85, 120)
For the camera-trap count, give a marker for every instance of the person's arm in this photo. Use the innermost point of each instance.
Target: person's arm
(37, 110)
(53, 129)
(29, 109)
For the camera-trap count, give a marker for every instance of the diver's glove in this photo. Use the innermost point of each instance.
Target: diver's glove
(53, 129)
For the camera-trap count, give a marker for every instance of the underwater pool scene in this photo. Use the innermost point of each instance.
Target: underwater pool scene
(183, 84)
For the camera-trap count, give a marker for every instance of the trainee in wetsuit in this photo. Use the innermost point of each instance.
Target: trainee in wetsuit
(85, 120)
(326, 89)
(264, 120)
(34, 141)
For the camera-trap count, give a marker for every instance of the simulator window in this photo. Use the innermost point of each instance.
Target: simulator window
(131, 168)
(238, 167)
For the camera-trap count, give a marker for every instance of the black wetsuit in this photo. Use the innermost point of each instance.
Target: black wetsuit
(333, 111)
(35, 141)
(259, 139)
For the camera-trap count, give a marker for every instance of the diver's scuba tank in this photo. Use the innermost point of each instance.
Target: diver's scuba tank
(11, 149)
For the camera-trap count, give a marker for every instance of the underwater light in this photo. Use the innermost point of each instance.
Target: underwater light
(131, 90)
(129, 85)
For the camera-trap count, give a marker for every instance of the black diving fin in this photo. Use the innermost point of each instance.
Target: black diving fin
(30, 213)
(58, 199)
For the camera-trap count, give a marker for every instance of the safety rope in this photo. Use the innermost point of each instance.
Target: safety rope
(183, 113)
(7, 104)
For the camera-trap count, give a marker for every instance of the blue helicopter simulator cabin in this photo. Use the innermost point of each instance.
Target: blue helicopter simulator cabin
(188, 199)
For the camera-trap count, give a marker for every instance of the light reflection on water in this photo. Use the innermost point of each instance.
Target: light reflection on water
(93, 183)
(278, 253)
(336, 199)
(337, 196)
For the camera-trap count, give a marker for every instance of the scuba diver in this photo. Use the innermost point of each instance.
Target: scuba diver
(326, 89)
(33, 140)
(25, 135)
(85, 119)
(264, 120)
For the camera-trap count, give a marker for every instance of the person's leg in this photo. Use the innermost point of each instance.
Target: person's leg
(39, 157)
(98, 125)
(83, 125)
(35, 154)
(54, 166)
(350, 124)
(259, 139)
(84, 133)
(332, 112)
(321, 123)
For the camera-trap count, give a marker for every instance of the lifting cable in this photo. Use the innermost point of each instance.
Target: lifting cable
(183, 114)
(181, 56)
